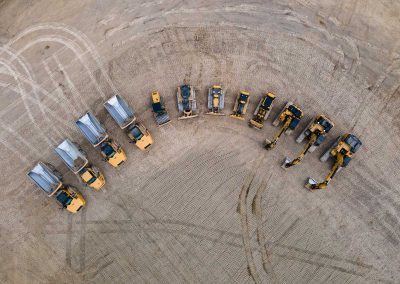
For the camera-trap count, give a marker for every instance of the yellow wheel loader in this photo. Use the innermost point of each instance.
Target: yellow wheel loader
(75, 159)
(49, 180)
(341, 151)
(316, 133)
(96, 134)
(241, 104)
(290, 118)
(262, 111)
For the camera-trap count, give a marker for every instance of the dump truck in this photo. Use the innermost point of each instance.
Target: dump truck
(96, 134)
(316, 133)
(126, 119)
(290, 117)
(241, 104)
(262, 111)
(160, 113)
(49, 180)
(341, 151)
(75, 159)
(187, 106)
(216, 100)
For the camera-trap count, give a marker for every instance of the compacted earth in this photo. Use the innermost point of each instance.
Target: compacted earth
(206, 203)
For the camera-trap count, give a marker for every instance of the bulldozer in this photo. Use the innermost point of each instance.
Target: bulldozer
(160, 113)
(126, 119)
(341, 151)
(216, 100)
(290, 117)
(75, 159)
(187, 105)
(241, 104)
(262, 111)
(49, 180)
(96, 134)
(316, 133)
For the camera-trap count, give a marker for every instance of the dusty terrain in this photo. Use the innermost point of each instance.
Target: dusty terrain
(206, 204)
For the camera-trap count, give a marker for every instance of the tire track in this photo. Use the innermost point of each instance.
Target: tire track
(260, 234)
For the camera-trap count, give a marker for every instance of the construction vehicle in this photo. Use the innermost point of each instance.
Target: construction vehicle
(316, 133)
(160, 113)
(96, 134)
(75, 159)
(241, 104)
(290, 118)
(216, 100)
(187, 105)
(342, 151)
(126, 119)
(48, 179)
(262, 111)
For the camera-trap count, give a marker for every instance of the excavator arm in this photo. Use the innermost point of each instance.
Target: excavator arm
(298, 160)
(271, 144)
(322, 185)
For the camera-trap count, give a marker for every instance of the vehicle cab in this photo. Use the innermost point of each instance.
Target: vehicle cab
(113, 153)
(140, 136)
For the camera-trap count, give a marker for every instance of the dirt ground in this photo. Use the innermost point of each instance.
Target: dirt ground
(206, 204)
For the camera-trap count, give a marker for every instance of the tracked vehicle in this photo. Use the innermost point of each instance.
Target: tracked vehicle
(341, 151)
(216, 100)
(289, 117)
(160, 113)
(262, 111)
(187, 106)
(241, 104)
(315, 133)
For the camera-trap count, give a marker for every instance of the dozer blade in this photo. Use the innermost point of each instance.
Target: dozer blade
(237, 116)
(215, 113)
(187, 116)
(277, 121)
(255, 124)
(286, 161)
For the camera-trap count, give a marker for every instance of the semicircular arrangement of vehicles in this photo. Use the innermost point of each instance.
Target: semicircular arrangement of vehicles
(46, 177)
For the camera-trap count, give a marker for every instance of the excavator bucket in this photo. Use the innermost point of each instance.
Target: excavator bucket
(71, 155)
(187, 106)
(216, 100)
(91, 128)
(46, 178)
(310, 182)
(120, 111)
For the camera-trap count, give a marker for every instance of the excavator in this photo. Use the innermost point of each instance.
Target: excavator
(316, 133)
(262, 111)
(290, 117)
(241, 104)
(342, 151)
(215, 102)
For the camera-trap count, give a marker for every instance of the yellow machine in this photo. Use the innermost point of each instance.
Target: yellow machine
(92, 177)
(140, 136)
(112, 152)
(342, 151)
(290, 117)
(262, 111)
(160, 113)
(76, 160)
(216, 100)
(316, 133)
(49, 180)
(96, 134)
(241, 104)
